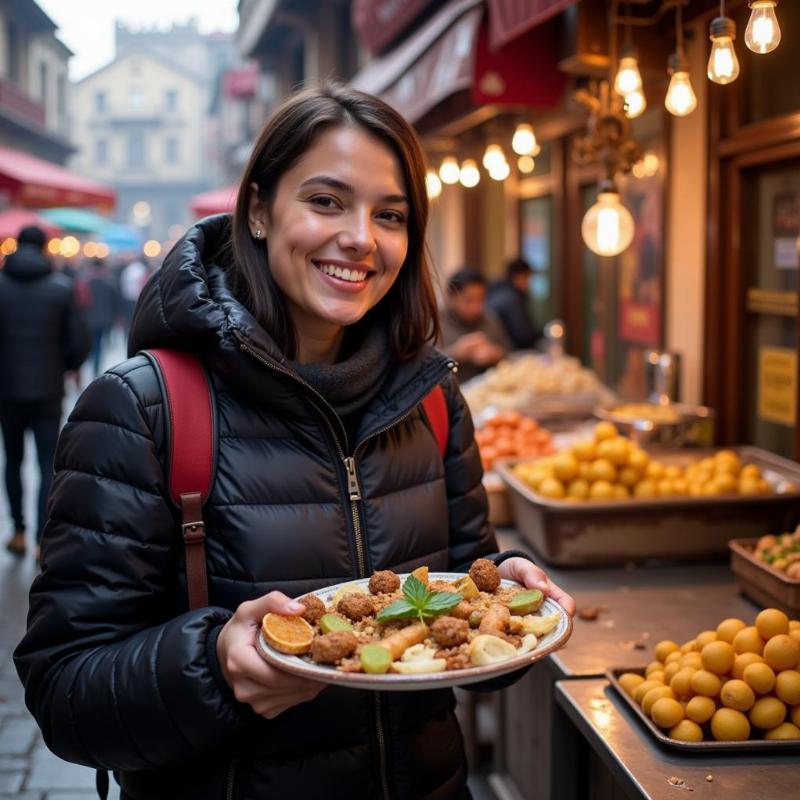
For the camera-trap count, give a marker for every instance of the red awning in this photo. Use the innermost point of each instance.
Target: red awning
(379, 22)
(217, 201)
(33, 182)
(511, 18)
(13, 220)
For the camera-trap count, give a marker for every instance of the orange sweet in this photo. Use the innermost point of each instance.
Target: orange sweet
(292, 635)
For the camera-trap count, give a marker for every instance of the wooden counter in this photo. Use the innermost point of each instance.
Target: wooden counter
(623, 761)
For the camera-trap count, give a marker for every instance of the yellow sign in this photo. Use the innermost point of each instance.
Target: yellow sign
(777, 385)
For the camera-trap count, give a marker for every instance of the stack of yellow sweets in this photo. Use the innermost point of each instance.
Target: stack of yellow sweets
(612, 467)
(731, 684)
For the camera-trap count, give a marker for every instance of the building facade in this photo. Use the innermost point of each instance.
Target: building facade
(143, 125)
(34, 87)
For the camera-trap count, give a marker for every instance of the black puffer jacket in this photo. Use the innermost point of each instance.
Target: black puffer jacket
(42, 331)
(118, 673)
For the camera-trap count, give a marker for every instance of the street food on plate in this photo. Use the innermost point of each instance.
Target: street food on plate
(734, 683)
(417, 626)
(611, 467)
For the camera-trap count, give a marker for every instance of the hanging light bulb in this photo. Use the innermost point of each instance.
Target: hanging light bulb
(763, 34)
(470, 175)
(500, 171)
(433, 184)
(525, 164)
(681, 99)
(635, 104)
(523, 143)
(608, 226)
(449, 171)
(628, 79)
(492, 156)
(723, 66)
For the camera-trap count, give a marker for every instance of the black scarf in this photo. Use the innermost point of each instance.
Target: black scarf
(365, 361)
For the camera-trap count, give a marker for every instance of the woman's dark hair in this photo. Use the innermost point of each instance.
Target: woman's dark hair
(410, 304)
(466, 276)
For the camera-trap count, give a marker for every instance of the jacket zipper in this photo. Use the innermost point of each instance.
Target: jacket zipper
(354, 495)
(229, 783)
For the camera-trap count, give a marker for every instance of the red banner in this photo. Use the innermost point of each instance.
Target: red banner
(380, 22)
(511, 18)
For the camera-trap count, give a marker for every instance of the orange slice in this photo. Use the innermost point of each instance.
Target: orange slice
(290, 635)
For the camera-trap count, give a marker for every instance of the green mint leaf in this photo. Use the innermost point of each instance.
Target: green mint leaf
(415, 591)
(400, 609)
(439, 602)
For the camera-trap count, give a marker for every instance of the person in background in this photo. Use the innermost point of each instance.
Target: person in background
(132, 279)
(508, 299)
(102, 309)
(470, 333)
(43, 335)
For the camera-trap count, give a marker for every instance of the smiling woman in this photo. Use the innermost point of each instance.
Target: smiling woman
(313, 330)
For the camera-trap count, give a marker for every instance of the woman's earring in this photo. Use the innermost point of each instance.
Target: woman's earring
(258, 233)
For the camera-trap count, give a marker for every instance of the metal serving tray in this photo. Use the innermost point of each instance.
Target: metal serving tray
(568, 533)
(759, 581)
(708, 747)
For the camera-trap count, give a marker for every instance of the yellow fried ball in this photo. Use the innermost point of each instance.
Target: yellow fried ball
(718, 657)
(728, 628)
(686, 731)
(664, 648)
(787, 686)
(785, 731)
(748, 640)
(767, 713)
(737, 694)
(730, 725)
(700, 709)
(771, 622)
(666, 712)
(760, 678)
(782, 652)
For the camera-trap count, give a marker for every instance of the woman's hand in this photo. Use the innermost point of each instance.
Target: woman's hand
(531, 577)
(268, 691)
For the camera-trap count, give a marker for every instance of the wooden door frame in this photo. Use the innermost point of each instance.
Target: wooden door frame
(724, 371)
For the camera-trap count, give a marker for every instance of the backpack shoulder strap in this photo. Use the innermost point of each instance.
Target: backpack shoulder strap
(435, 407)
(187, 394)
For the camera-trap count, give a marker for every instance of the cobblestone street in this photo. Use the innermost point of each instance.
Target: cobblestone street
(28, 770)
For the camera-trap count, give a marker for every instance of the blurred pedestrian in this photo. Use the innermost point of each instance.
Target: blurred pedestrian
(102, 309)
(312, 310)
(132, 279)
(470, 332)
(509, 300)
(43, 335)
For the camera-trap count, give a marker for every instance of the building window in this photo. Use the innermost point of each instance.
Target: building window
(61, 96)
(12, 50)
(171, 150)
(136, 153)
(101, 151)
(135, 97)
(43, 84)
(171, 99)
(100, 102)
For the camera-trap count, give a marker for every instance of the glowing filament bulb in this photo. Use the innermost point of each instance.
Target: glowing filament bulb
(628, 77)
(763, 34)
(681, 99)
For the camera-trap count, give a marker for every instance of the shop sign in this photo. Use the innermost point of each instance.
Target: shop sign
(777, 385)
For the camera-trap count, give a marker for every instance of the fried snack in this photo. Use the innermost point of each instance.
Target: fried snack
(486, 649)
(384, 582)
(315, 608)
(355, 606)
(292, 635)
(419, 667)
(399, 641)
(331, 648)
(450, 632)
(485, 574)
(495, 621)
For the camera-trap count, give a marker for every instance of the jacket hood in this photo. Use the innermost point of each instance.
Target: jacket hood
(188, 305)
(27, 264)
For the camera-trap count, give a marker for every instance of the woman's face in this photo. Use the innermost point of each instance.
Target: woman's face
(337, 229)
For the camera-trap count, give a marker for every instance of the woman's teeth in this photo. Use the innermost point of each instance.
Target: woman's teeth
(352, 275)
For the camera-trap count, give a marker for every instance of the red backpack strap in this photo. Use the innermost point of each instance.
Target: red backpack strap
(435, 407)
(187, 393)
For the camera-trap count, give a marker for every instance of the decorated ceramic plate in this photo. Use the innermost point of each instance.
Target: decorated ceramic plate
(548, 615)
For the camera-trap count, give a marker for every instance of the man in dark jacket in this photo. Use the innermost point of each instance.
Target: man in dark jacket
(509, 301)
(42, 336)
(102, 309)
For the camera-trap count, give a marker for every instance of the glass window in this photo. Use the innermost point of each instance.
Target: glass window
(171, 150)
(61, 95)
(135, 97)
(100, 101)
(136, 151)
(537, 250)
(43, 83)
(171, 99)
(101, 151)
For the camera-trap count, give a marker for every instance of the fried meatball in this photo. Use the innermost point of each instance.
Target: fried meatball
(356, 606)
(332, 647)
(449, 631)
(384, 582)
(315, 608)
(485, 574)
